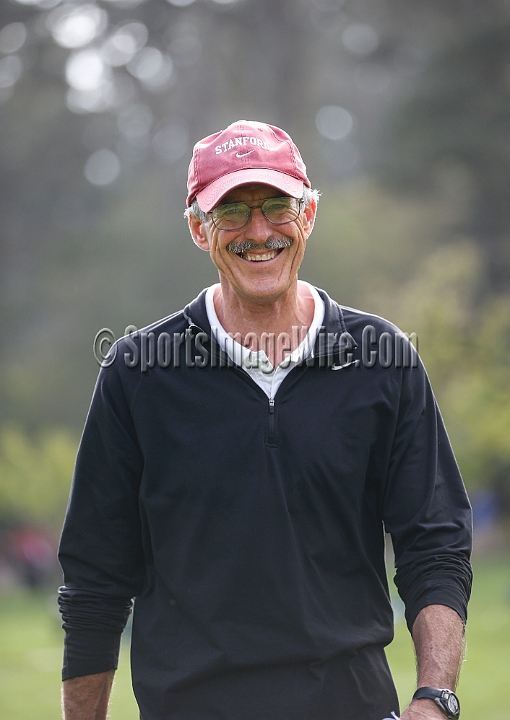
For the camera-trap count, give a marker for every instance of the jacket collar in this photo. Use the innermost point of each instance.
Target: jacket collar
(333, 336)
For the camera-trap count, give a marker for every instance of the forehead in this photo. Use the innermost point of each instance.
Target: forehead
(250, 193)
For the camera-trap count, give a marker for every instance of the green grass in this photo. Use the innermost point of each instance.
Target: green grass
(31, 662)
(31, 652)
(484, 687)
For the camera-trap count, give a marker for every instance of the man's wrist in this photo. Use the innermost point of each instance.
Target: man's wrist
(444, 700)
(427, 709)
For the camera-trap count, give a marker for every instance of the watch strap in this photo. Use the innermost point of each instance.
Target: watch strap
(446, 700)
(427, 693)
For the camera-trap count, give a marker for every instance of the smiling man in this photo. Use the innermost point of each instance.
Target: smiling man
(239, 489)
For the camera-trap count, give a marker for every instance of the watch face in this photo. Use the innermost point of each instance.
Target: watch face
(452, 703)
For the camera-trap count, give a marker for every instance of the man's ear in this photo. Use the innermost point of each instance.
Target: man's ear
(309, 212)
(198, 232)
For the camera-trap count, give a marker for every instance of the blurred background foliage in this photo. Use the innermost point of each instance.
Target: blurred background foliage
(35, 474)
(401, 109)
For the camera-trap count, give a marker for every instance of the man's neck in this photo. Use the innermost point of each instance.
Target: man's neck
(277, 327)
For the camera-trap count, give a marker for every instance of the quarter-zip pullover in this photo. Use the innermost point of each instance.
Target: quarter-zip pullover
(251, 531)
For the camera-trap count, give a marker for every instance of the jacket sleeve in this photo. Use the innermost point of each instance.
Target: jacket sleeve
(100, 549)
(426, 508)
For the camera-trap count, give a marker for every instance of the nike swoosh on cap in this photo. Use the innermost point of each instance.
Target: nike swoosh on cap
(239, 155)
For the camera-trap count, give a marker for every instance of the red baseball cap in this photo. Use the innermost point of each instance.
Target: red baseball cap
(246, 152)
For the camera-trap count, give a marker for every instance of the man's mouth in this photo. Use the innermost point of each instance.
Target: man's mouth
(260, 258)
(273, 247)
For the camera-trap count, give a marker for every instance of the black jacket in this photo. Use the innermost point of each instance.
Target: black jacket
(251, 532)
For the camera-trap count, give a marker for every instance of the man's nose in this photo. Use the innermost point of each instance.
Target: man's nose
(257, 226)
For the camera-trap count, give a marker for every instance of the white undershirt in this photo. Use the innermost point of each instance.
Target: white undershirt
(256, 363)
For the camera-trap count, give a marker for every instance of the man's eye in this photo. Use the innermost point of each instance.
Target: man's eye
(278, 205)
(231, 210)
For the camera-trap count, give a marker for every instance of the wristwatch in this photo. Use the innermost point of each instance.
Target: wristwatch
(446, 700)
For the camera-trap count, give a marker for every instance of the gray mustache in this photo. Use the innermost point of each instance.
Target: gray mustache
(272, 243)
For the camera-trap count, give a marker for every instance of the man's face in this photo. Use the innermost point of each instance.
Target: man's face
(261, 274)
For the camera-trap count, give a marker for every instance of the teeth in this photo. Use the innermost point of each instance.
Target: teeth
(259, 258)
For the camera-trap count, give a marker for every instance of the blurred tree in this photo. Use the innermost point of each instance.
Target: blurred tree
(454, 131)
(465, 345)
(367, 240)
(35, 475)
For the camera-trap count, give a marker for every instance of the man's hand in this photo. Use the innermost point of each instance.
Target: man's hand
(438, 636)
(86, 697)
(423, 710)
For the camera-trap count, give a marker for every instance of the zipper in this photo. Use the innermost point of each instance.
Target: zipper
(271, 429)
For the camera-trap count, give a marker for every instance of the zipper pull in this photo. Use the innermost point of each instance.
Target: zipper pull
(271, 424)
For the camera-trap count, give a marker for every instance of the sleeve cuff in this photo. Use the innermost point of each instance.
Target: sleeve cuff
(444, 595)
(87, 652)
